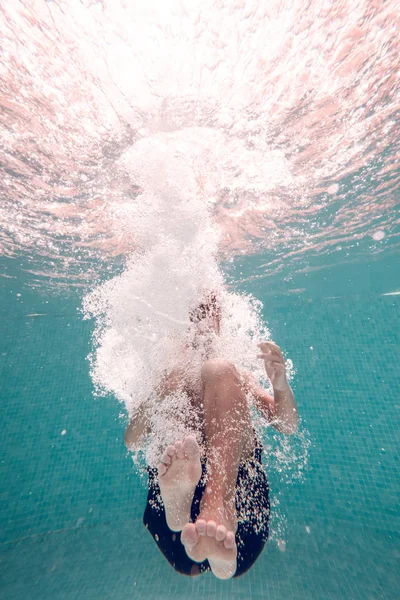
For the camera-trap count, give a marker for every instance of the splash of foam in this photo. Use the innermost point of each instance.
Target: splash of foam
(143, 329)
(142, 315)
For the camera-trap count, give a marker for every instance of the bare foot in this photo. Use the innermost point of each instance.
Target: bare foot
(212, 537)
(179, 473)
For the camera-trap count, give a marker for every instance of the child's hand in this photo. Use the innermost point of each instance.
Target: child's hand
(274, 365)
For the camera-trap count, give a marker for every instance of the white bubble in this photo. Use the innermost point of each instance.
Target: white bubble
(333, 188)
(143, 330)
(378, 235)
(281, 545)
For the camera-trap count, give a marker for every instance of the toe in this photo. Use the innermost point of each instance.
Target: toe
(168, 454)
(179, 450)
(220, 534)
(201, 527)
(191, 447)
(162, 469)
(170, 450)
(229, 540)
(211, 528)
(189, 536)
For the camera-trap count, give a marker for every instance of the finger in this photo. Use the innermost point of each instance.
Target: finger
(276, 353)
(272, 355)
(272, 358)
(270, 346)
(277, 366)
(267, 347)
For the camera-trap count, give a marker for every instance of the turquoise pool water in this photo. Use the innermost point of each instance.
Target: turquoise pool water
(159, 136)
(72, 505)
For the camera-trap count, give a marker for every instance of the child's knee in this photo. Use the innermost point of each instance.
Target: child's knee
(218, 368)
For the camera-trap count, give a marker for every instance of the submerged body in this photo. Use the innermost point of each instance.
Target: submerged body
(194, 499)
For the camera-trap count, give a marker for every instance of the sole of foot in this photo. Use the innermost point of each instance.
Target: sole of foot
(205, 539)
(179, 473)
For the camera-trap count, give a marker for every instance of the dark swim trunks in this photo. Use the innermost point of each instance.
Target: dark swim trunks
(252, 506)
